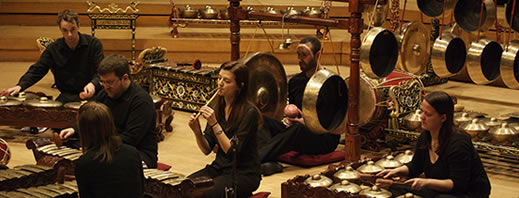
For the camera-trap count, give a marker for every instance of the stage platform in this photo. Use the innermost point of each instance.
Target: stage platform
(179, 148)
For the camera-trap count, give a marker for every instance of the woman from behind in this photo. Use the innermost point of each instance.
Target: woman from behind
(107, 168)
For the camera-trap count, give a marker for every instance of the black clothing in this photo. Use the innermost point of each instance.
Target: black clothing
(296, 89)
(459, 162)
(246, 153)
(134, 117)
(121, 177)
(275, 139)
(72, 69)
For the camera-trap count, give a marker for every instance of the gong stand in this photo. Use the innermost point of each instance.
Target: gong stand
(429, 78)
(355, 26)
(114, 18)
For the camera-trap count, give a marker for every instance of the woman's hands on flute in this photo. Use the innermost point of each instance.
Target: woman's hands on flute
(208, 113)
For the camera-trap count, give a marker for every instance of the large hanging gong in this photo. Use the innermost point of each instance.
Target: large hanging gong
(510, 65)
(434, 8)
(508, 13)
(448, 55)
(267, 83)
(414, 48)
(325, 102)
(378, 53)
(483, 61)
(467, 14)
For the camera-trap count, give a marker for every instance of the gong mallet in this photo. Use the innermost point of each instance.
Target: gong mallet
(58, 141)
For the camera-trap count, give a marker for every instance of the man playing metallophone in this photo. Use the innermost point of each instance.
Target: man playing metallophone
(73, 61)
(275, 138)
(131, 106)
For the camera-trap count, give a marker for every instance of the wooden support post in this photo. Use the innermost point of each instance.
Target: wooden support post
(234, 8)
(352, 138)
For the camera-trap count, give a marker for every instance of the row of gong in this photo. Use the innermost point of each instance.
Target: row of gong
(472, 15)
(486, 61)
(326, 93)
(452, 54)
(325, 97)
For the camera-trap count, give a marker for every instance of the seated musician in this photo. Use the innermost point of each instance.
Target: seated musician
(446, 156)
(275, 138)
(107, 168)
(73, 61)
(232, 117)
(131, 106)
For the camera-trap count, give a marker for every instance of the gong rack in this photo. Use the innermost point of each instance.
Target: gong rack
(183, 22)
(496, 158)
(353, 24)
(222, 21)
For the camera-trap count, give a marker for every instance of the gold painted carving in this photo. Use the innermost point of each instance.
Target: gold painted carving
(112, 8)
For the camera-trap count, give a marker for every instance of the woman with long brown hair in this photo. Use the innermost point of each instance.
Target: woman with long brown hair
(107, 168)
(233, 116)
(446, 157)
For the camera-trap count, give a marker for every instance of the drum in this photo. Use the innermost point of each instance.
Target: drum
(374, 95)
(5, 153)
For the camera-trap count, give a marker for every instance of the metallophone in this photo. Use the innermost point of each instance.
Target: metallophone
(68, 189)
(46, 153)
(188, 88)
(158, 183)
(34, 181)
(25, 176)
(39, 110)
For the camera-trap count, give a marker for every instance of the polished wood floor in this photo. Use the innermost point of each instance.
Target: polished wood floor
(180, 150)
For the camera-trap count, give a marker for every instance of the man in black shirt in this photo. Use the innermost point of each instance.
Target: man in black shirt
(131, 107)
(73, 60)
(275, 139)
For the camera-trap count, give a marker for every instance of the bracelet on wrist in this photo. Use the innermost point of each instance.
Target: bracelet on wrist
(215, 123)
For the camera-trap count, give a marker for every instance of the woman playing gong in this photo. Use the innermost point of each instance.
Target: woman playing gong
(445, 156)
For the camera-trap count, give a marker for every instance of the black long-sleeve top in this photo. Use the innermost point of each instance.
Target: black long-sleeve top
(72, 69)
(296, 89)
(134, 117)
(247, 151)
(121, 177)
(458, 161)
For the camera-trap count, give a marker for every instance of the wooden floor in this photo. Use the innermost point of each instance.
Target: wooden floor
(180, 150)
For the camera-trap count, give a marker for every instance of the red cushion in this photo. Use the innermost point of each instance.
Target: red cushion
(295, 158)
(260, 195)
(163, 167)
